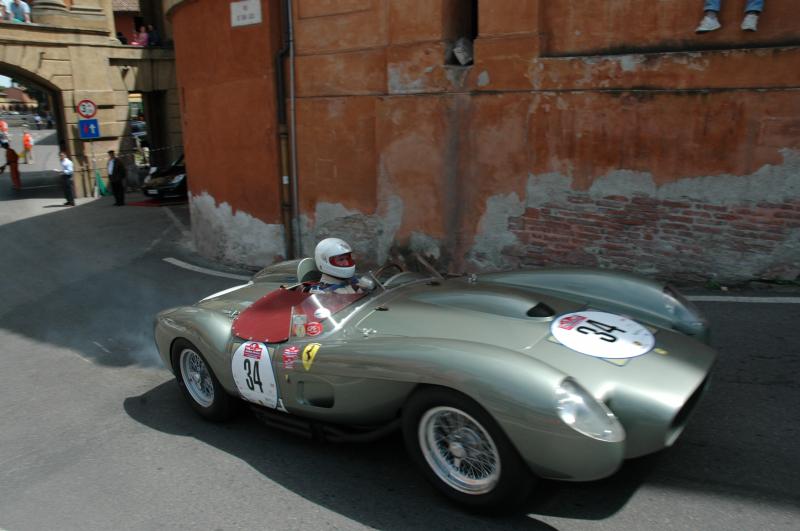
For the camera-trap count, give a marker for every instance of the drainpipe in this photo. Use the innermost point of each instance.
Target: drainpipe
(293, 112)
(287, 205)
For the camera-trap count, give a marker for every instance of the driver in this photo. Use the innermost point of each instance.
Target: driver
(334, 259)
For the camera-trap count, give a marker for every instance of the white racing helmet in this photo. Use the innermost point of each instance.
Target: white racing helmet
(334, 257)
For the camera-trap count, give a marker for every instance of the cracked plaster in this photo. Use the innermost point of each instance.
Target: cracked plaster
(371, 236)
(236, 238)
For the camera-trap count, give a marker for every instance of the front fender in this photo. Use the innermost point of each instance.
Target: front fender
(517, 390)
(614, 291)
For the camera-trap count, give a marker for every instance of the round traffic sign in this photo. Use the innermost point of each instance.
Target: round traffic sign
(87, 108)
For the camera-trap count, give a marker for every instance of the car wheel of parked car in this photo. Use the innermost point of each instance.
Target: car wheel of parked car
(462, 451)
(199, 384)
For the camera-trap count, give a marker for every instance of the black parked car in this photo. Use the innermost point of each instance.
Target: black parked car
(168, 183)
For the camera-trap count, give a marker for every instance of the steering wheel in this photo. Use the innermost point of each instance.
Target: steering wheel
(390, 265)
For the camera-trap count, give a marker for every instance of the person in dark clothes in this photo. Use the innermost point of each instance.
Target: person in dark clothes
(117, 175)
(153, 39)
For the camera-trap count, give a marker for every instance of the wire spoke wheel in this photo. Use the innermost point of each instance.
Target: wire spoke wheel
(196, 377)
(459, 450)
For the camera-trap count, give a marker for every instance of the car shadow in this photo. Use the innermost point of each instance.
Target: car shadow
(374, 484)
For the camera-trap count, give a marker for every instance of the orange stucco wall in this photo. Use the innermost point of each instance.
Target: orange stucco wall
(228, 105)
(566, 101)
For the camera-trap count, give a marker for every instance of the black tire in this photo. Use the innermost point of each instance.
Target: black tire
(512, 479)
(219, 405)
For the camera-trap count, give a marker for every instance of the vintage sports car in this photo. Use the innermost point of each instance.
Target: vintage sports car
(493, 379)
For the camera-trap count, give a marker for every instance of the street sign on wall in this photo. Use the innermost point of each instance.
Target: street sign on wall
(88, 129)
(245, 12)
(86, 108)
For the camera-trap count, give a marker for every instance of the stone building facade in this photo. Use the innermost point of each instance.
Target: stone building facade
(71, 52)
(583, 133)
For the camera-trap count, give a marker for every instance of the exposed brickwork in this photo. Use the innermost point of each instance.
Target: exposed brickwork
(676, 239)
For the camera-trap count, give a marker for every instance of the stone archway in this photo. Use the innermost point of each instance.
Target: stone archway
(80, 62)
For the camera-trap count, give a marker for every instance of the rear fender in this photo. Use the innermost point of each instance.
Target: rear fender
(209, 331)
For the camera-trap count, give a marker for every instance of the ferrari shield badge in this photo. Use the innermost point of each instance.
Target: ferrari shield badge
(602, 335)
(309, 353)
(252, 373)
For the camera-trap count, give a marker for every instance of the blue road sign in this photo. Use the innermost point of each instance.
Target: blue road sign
(88, 129)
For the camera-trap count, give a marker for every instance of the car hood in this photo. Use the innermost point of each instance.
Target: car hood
(647, 392)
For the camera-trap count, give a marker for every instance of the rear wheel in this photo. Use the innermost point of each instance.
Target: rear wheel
(462, 451)
(199, 384)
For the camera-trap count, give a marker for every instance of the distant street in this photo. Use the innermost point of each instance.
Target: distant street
(39, 172)
(94, 434)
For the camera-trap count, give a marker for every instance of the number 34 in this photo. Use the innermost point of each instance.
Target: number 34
(253, 376)
(605, 331)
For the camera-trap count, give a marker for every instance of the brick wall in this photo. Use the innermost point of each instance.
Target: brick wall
(651, 236)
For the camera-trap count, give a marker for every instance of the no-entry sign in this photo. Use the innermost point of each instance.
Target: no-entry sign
(87, 108)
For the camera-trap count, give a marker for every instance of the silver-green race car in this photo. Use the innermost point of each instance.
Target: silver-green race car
(494, 379)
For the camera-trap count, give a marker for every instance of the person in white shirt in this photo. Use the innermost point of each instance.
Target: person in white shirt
(67, 170)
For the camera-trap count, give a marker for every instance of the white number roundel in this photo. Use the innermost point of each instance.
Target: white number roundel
(602, 335)
(252, 371)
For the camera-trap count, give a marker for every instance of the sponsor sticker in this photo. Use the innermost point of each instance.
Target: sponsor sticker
(309, 353)
(603, 335)
(252, 350)
(290, 355)
(314, 328)
(570, 321)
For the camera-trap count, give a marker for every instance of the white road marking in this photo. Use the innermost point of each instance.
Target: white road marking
(198, 269)
(760, 300)
(181, 227)
(101, 347)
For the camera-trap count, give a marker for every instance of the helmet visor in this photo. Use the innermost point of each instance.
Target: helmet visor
(342, 260)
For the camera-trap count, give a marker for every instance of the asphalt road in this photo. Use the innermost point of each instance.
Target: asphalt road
(94, 434)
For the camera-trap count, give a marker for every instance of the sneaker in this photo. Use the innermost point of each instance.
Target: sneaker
(750, 22)
(708, 23)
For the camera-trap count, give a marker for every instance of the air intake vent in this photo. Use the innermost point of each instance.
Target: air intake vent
(541, 310)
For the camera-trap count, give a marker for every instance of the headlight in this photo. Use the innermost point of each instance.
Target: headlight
(583, 413)
(178, 178)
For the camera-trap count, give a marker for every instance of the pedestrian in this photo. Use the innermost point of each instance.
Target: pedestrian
(67, 170)
(140, 38)
(27, 146)
(153, 39)
(4, 130)
(117, 174)
(49, 120)
(20, 11)
(710, 21)
(38, 120)
(12, 161)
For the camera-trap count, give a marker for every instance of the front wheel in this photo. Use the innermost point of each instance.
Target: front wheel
(462, 451)
(198, 383)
